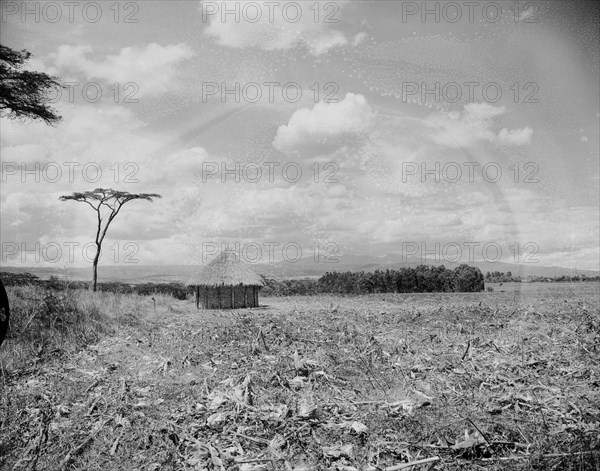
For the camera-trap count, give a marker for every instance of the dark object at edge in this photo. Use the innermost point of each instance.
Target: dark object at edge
(4, 313)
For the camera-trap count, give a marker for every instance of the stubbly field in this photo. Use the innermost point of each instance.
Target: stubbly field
(501, 380)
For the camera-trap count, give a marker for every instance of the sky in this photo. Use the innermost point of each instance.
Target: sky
(454, 129)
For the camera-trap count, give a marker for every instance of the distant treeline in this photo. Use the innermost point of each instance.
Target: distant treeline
(304, 287)
(565, 278)
(500, 277)
(421, 279)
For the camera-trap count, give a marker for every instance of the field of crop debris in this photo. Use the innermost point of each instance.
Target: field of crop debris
(501, 380)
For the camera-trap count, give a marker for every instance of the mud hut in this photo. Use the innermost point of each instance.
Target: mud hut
(225, 283)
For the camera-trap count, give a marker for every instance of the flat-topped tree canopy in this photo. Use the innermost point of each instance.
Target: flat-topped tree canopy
(107, 203)
(225, 283)
(225, 270)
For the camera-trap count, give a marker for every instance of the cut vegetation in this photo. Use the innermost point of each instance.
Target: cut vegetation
(503, 380)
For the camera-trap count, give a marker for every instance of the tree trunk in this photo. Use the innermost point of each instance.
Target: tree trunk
(95, 268)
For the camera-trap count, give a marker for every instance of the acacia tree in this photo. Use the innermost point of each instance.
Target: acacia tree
(107, 203)
(25, 93)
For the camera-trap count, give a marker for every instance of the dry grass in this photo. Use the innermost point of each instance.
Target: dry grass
(444, 381)
(45, 322)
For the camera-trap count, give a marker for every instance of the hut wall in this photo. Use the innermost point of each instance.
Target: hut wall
(228, 297)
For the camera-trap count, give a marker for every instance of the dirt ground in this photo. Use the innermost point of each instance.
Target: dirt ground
(440, 382)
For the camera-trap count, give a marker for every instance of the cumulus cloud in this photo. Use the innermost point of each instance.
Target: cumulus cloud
(152, 67)
(326, 126)
(269, 27)
(475, 124)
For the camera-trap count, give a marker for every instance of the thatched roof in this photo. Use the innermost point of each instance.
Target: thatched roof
(225, 270)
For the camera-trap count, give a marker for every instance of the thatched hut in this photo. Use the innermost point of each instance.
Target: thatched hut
(225, 283)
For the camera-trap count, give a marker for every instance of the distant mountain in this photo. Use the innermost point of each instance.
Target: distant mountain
(133, 274)
(306, 267)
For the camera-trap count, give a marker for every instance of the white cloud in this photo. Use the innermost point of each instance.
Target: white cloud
(36, 64)
(482, 111)
(69, 56)
(359, 38)
(319, 43)
(474, 124)
(326, 126)
(264, 25)
(152, 67)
